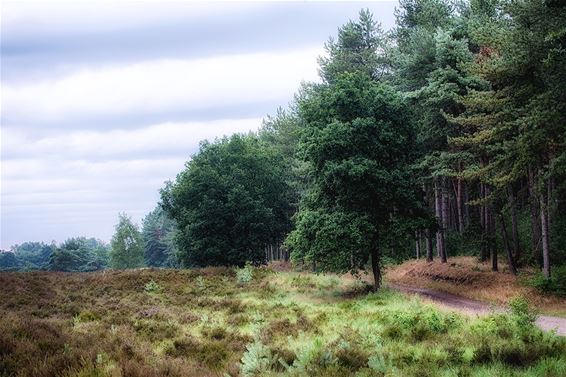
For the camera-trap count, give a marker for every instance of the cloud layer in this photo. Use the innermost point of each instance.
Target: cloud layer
(103, 101)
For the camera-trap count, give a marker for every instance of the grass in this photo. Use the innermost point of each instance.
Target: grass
(217, 322)
(468, 277)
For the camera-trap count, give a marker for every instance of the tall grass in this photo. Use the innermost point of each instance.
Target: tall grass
(211, 322)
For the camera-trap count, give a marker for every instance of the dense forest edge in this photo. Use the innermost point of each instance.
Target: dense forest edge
(430, 155)
(444, 136)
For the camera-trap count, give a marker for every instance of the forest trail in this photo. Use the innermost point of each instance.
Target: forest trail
(468, 306)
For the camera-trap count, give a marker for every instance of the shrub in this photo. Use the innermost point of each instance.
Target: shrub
(257, 360)
(152, 287)
(245, 275)
(522, 312)
(556, 285)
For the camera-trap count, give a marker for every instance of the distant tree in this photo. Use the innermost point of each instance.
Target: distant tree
(230, 202)
(8, 261)
(33, 255)
(127, 245)
(158, 236)
(79, 254)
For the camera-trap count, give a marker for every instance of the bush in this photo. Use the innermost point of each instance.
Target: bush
(522, 312)
(152, 287)
(245, 275)
(257, 360)
(556, 285)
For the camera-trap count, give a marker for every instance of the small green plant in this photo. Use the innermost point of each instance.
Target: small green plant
(152, 287)
(201, 283)
(379, 364)
(257, 360)
(555, 285)
(522, 312)
(245, 275)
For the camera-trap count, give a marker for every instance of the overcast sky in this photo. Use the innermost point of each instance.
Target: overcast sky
(102, 102)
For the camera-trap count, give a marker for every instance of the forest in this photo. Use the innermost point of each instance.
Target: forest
(433, 153)
(444, 136)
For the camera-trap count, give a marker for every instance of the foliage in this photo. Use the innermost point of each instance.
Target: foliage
(106, 323)
(127, 245)
(158, 232)
(257, 360)
(245, 274)
(31, 255)
(80, 254)
(357, 143)
(152, 287)
(555, 285)
(9, 261)
(230, 201)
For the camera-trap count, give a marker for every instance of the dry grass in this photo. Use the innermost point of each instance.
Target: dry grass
(470, 278)
(209, 323)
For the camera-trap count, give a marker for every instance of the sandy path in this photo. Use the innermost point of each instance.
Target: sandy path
(468, 306)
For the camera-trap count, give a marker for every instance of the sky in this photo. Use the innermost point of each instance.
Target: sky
(101, 102)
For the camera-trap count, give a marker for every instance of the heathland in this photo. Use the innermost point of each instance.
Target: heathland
(253, 322)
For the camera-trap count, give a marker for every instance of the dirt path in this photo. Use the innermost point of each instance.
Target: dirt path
(468, 306)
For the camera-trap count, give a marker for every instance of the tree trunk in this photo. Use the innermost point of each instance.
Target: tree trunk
(440, 213)
(535, 222)
(483, 222)
(375, 259)
(418, 243)
(445, 197)
(460, 206)
(510, 260)
(544, 234)
(428, 246)
(514, 224)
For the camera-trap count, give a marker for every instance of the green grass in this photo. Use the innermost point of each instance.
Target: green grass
(218, 322)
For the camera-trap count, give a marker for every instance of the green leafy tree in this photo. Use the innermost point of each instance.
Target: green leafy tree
(79, 254)
(9, 261)
(359, 144)
(127, 245)
(33, 255)
(158, 235)
(231, 201)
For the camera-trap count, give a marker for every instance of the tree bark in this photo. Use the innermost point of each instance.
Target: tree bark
(535, 222)
(544, 234)
(483, 222)
(428, 246)
(418, 243)
(460, 206)
(514, 224)
(440, 213)
(375, 260)
(510, 260)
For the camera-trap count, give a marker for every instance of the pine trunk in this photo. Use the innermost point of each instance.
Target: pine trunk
(544, 234)
(535, 222)
(444, 212)
(460, 206)
(438, 213)
(510, 260)
(483, 222)
(429, 256)
(514, 225)
(418, 243)
(375, 259)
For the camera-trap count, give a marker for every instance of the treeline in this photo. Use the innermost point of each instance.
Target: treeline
(446, 135)
(443, 136)
(130, 248)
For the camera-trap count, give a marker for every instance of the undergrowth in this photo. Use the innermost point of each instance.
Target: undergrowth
(253, 322)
